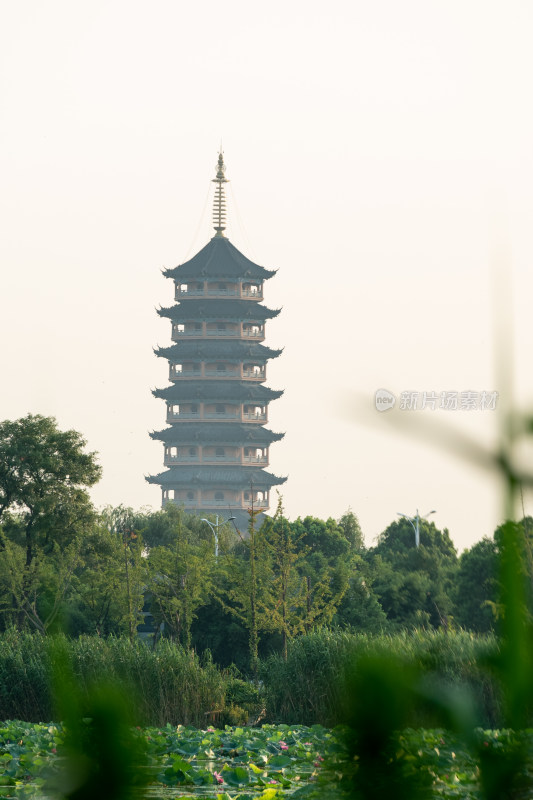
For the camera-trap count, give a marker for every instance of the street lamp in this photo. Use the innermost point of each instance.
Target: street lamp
(416, 519)
(214, 528)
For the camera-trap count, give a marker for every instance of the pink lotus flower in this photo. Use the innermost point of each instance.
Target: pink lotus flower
(218, 777)
(284, 745)
(210, 730)
(307, 744)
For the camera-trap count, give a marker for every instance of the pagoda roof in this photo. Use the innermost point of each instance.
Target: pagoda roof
(217, 349)
(216, 476)
(218, 309)
(217, 391)
(219, 259)
(219, 432)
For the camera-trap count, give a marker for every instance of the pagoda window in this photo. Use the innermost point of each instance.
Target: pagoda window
(220, 452)
(190, 495)
(246, 451)
(178, 369)
(247, 495)
(180, 327)
(193, 451)
(221, 326)
(197, 326)
(220, 409)
(221, 367)
(222, 287)
(173, 452)
(194, 408)
(219, 495)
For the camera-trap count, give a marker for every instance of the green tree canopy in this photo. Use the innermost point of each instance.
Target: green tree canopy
(44, 508)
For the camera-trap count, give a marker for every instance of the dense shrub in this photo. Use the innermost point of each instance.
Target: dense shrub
(310, 687)
(167, 684)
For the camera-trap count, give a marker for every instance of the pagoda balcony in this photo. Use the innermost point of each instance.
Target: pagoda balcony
(254, 333)
(254, 416)
(170, 461)
(223, 333)
(221, 415)
(254, 294)
(189, 333)
(220, 460)
(255, 460)
(178, 374)
(254, 375)
(181, 292)
(187, 504)
(229, 292)
(222, 373)
(174, 416)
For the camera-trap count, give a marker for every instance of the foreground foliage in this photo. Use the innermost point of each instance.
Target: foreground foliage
(247, 763)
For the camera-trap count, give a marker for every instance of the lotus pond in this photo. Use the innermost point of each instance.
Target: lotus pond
(268, 763)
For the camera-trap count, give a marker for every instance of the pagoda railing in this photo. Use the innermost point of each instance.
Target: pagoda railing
(225, 415)
(255, 459)
(168, 460)
(220, 460)
(254, 415)
(194, 333)
(221, 373)
(188, 293)
(222, 333)
(257, 295)
(185, 373)
(173, 415)
(250, 373)
(223, 293)
(252, 334)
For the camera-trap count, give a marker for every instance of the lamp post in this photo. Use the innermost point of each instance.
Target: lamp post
(214, 528)
(416, 520)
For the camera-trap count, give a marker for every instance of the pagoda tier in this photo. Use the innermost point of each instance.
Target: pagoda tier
(219, 259)
(212, 488)
(217, 404)
(221, 433)
(217, 392)
(217, 348)
(213, 310)
(221, 443)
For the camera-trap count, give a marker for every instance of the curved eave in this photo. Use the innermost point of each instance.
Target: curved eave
(221, 433)
(219, 259)
(217, 349)
(216, 477)
(217, 391)
(217, 310)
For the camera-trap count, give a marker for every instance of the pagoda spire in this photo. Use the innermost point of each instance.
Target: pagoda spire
(219, 202)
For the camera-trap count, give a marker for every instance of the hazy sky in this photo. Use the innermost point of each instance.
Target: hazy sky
(370, 146)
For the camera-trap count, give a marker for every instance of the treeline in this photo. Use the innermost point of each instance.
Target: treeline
(66, 567)
(168, 683)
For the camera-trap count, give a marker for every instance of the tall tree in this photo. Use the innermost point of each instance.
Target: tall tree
(476, 587)
(414, 584)
(44, 509)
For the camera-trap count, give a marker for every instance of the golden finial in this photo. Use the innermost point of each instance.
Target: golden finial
(219, 203)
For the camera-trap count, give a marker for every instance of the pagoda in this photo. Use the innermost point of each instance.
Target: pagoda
(216, 447)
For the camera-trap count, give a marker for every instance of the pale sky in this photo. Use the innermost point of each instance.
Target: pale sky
(370, 146)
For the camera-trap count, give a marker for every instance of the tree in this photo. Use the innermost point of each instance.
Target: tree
(180, 575)
(352, 530)
(414, 584)
(476, 587)
(44, 509)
